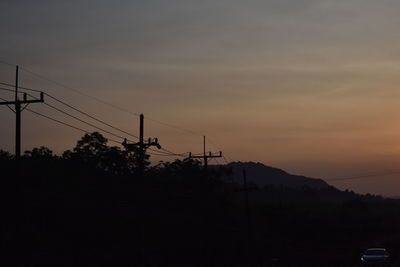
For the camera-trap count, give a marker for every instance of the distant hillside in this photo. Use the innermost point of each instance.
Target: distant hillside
(263, 175)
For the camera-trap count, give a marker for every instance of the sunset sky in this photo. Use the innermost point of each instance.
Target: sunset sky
(309, 86)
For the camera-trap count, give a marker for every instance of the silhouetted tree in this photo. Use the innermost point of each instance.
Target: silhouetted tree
(92, 150)
(91, 146)
(5, 155)
(41, 153)
(80, 208)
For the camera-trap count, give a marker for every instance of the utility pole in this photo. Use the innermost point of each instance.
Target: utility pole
(205, 156)
(246, 205)
(248, 218)
(141, 146)
(139, 149)
(17, 110)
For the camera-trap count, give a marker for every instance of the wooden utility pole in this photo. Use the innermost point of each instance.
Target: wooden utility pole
(205, 156)
(247, 206)
(140, 149)
(250, 245)
(141, 146)
(17, 110)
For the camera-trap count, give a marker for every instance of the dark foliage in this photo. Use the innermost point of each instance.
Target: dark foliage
(92, 207)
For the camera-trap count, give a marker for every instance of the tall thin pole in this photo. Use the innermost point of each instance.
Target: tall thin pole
(205, 157)
(204, 151)
(141, 133)
(247, 206)
(17, 104)
(138, 207)
(16, 83)
(17, 120)
(139, 148)
(141, 145)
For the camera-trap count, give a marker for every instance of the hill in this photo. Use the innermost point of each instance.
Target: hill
(263, 175)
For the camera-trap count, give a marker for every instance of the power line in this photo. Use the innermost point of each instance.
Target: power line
(159, 154)
(74, 108)
(92, 117)
(80, 129)
(173, 153)
(105, 102)
(162, 152)
(72, 89)
(78, 119)
(102, 101)
(216, 160)
(65, 124)
(86, 114)
(175, 127)
(78, 92)
(365, 176)
(205, 156)
(7, 105)
(21, 87)
(167, 152)
(125, 110)
(224, 157)
(17, 103)
(58, 121)
(6, 89)
(85, 131)
(6, 63)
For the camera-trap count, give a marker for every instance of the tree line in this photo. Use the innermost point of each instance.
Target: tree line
(92, 206)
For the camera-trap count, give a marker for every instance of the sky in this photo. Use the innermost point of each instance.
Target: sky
(309, 86)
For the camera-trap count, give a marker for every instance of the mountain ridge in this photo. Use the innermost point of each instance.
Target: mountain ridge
(264, 175)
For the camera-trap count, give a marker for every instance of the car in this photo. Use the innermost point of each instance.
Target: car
(375, 257)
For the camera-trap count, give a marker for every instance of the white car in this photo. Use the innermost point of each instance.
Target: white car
(375, 256)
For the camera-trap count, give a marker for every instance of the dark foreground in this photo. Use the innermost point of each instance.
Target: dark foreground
(72, 211)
